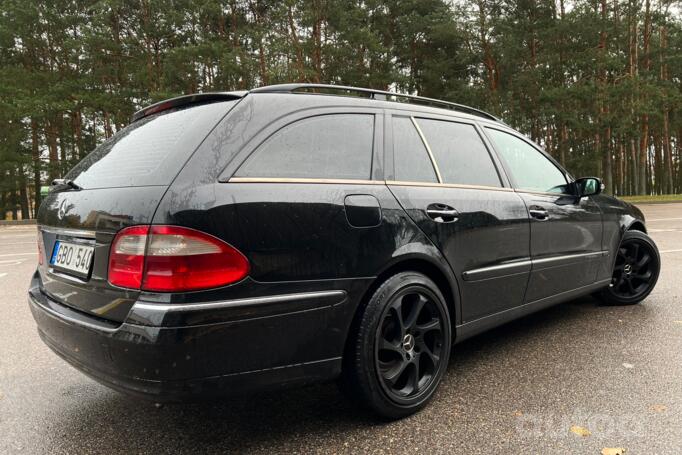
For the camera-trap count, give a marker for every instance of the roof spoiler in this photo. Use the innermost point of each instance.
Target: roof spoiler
(186, 100)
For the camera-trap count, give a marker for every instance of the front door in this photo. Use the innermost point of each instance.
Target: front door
(446, 180)
(566, 231)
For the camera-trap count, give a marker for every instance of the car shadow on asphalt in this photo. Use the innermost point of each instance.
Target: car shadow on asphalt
(274, 419)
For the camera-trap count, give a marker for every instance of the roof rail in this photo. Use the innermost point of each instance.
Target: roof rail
(372, 94)
(185, 100)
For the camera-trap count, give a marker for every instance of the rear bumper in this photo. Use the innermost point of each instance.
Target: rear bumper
(277, 348)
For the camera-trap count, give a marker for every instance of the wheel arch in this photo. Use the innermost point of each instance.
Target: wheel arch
(423, 263)
(635, 232)
(636, 225)
(626, 223)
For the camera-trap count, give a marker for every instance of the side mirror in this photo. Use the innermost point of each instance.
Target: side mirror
(588, 186)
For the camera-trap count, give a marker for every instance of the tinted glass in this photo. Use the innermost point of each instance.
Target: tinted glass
(531, 170)
(329, 146)
(461, 156)
(150, 151)
(412, 162)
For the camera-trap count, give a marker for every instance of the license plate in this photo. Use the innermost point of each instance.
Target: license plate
(73, 258)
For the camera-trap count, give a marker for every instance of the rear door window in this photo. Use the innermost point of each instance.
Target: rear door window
(150, 151)
(412, 162)
(460, 154)
(335, 146)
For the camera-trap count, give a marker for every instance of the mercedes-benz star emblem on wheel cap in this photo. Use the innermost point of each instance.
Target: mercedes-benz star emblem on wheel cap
(408, 342)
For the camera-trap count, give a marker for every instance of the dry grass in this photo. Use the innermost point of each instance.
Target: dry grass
(656, 198)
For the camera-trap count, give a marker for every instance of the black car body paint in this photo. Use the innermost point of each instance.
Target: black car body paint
(317, 248)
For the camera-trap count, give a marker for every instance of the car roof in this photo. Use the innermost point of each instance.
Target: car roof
(364, 96)
(373, 95)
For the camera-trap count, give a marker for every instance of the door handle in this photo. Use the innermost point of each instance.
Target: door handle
(538, 213)
(442, 213)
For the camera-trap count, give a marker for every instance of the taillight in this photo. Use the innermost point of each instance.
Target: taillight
(126, 258)
(173, 259)
(182, 259)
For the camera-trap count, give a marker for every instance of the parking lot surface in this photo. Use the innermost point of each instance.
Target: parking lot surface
(576, 378)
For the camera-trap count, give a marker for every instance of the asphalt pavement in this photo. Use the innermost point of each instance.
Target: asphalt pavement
(576, 378)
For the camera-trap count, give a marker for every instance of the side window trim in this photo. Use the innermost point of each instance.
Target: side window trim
(434, 163)
(303, 180)
(510, 175)
(391, 146)
(502, 171)
(378, 166)
(388, 153)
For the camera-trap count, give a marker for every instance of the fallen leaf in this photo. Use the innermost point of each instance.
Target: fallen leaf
(628, 365)
(518, 413)
(580, 431)
(613, 451)
(659, 407)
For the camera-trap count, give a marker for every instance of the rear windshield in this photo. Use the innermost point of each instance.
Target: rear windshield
(150, 151)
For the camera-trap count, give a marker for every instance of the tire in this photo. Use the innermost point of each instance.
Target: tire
(394, 364)
(635, 271)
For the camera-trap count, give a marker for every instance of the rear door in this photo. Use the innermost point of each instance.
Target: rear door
(566, 231)
(122, 182)
(447, 180)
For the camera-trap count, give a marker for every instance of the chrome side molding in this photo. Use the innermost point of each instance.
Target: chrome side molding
(528, 265)
(236, 303)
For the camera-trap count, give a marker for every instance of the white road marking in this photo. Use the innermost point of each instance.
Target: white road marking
(665, 230)
(18, 254)
(664, 219)
(2, 274)
(10, 262)
(671, 251)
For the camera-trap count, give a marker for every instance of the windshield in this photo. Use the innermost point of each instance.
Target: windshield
(150, 151)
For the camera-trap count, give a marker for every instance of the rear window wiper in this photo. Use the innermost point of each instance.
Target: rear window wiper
(63, 184)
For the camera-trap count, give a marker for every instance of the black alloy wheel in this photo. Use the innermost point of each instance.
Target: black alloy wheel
(409, 343)
(399, 346)
(635, 270)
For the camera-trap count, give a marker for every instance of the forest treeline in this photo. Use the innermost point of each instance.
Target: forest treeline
(595, 82)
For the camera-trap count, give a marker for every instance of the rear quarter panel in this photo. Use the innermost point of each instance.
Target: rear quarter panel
(295, 231)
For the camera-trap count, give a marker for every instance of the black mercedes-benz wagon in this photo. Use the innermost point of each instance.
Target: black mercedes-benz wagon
(226, 242)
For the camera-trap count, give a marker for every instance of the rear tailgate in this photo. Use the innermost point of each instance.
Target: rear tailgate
(91, 218)
(122, 181)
